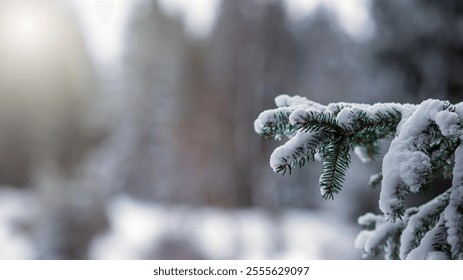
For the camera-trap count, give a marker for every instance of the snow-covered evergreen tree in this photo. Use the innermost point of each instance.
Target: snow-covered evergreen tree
(426, 144)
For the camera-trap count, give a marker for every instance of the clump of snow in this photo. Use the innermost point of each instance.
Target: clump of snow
(414, 169)
(298, 116)
(269, 117)
(347, 116)
(286, 105)
(362, 239)
(409, 138)
(368, 219)
(448, 123)
(453, 214)
(376, 108)
(459, 110)
(454, 219)
(426, 251)
(369, 240)
(285, 100)
(294, 149)
(421, 216)
(303, 115)
(376, 232)
(437, 255)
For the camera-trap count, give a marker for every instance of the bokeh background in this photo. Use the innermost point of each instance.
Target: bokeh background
(126, 126)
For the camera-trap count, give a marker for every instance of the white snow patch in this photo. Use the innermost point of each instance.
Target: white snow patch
(16, 208)
(134, 227)
(448, 123)
(413, 169)
(218, 234)
(347, 116)
(296, 101)
(362, 239)
(426, 251)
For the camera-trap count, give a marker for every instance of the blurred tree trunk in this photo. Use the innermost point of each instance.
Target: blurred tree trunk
(249, 58)
(142, 147)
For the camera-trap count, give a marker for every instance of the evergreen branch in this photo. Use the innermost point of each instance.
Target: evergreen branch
(392, 246)
(454, 223)
(380, 237)
(364, 130)
(422, 219)
(367, 130)
(454, 211)
(275, 124)
(426, 138)
(432, 243)
(440, 244)
(335, 165)
(441, 152)
(297, 151)
(407, 165)
(314, 120)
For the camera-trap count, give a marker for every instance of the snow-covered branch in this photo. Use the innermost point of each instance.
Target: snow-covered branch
(425, 139)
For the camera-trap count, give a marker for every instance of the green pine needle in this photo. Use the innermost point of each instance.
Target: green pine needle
(335, 165)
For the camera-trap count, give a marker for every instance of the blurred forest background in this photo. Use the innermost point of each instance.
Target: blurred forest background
(153, 155)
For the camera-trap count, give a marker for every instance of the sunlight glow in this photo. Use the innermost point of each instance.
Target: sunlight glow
(28, 28)
(24, 27)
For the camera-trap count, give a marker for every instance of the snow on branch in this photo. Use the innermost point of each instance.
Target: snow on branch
(407, 164)
(453, 214)
(426, 141)
(378, 236)
(422, 220)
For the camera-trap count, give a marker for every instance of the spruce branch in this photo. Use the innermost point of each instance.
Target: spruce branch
(454, 212)
(426, 143)
(421, 220)
(315, 120)
(379, 236)
(297, 151)
(441, 152)
(275, 124)
(335, 164)
(368, 131)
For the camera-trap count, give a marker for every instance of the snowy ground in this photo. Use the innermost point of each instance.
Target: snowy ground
(16, 212)
(148, 231)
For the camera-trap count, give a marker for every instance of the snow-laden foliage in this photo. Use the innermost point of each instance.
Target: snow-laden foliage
(426, 142)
